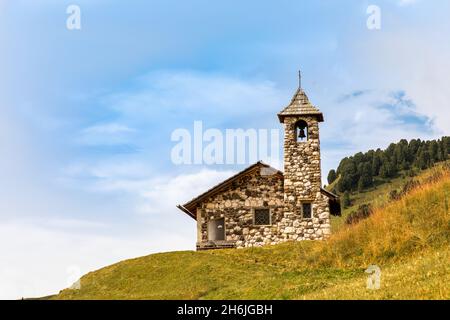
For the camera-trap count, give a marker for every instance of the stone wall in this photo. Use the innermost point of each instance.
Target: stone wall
(258, 189)
(302, 184)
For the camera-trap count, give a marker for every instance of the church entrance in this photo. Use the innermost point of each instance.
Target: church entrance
(216, 230)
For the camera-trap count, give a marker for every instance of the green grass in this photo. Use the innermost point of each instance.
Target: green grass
(408, 239)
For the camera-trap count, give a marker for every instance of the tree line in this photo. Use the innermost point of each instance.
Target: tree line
(361, 170)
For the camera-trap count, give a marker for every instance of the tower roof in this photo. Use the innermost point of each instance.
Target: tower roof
(300, 106)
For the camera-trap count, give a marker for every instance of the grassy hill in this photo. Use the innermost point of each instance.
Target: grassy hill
(378, 195)
(408, 239)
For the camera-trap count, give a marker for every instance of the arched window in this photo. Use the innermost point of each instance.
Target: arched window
(301, 131)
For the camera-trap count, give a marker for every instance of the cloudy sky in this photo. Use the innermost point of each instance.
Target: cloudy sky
(86, 177)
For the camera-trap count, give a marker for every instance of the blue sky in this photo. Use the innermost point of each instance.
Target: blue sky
(87, 114)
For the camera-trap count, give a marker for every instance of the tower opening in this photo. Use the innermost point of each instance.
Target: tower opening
(301, 131)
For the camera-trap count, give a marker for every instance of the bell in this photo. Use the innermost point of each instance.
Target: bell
(301, 134)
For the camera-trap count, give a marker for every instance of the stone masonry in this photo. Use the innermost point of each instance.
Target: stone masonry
(302, 183)
(237, 204)
(282, 196)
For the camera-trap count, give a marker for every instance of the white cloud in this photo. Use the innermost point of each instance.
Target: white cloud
(407, 2)
(37, 250)
(108, 128)
(106, 134)
(415, 61)
(370, 120)
(160, 197)
(152, 194)
(199, 93)
(36, 257)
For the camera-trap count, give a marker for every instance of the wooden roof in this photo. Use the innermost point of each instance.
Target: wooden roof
(299, 106)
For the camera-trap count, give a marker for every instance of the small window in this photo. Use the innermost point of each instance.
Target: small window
(306, 209)
(262, 217)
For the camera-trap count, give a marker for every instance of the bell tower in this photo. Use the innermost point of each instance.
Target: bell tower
(306, 213)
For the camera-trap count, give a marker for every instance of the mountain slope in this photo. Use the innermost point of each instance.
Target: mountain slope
(408, 239)
(378, 195)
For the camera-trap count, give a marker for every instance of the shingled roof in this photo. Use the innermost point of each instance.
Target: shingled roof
(300, 105)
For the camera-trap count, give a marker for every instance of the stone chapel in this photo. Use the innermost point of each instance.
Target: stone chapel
(261, 205)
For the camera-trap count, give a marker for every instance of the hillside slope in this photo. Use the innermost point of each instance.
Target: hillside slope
(378, 195)
(408, 239)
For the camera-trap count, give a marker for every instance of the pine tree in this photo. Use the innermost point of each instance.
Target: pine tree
(358, 172)
(365, 179)
(440, 154)
(376, 164)
(331, 176)
(433, 152)
(423, 159)
(346, 202)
